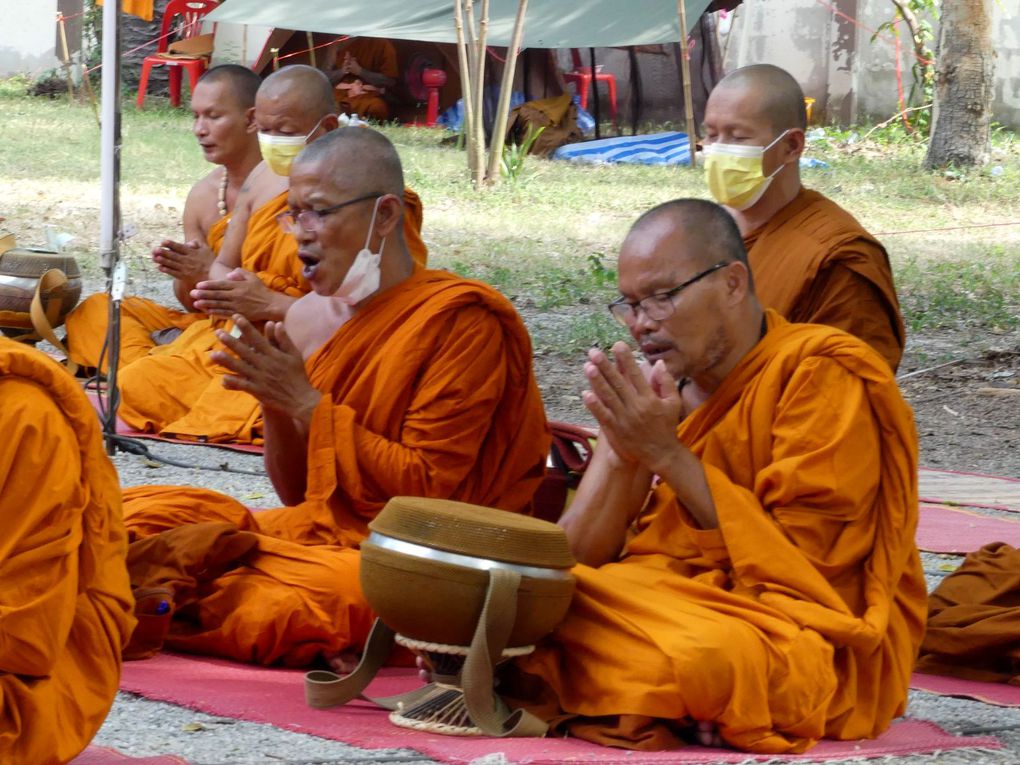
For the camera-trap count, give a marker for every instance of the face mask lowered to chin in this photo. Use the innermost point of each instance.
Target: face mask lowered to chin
(734, 173)
(362, 278)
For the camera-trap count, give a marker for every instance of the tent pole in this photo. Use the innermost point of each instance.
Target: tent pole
(505, 91)
(685, 71)
(109, 210)
(483, 31)
(466, 91)
(471, 32)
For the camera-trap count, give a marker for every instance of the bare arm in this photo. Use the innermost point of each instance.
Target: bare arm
(229, 256)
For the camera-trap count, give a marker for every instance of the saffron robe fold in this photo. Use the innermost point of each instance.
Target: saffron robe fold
(65, 605)
(429, 391)
(375, 55)
(177, 390)
(973, 620)
(801, 615)
(814, 263)
(88, 324)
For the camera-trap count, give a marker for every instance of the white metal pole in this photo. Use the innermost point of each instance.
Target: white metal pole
(109, 158)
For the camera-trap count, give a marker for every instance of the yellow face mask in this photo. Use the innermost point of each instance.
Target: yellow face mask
(279, 151)
(734, 173)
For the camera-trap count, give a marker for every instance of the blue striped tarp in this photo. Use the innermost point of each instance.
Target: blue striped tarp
(655, 149)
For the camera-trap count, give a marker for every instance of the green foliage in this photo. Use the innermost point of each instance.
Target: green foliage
(512, 162)
(917, 18)
(14, 87)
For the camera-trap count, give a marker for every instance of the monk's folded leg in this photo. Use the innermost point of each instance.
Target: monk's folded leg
(149, 510)
(291, 604)
(682, 651)
(162, 387)
(87, 326)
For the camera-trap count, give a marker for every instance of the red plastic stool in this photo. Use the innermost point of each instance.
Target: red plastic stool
(190, 25)
(581, 76)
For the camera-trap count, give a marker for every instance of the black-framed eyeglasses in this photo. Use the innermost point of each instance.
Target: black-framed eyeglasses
(311, 220)
(660, 305)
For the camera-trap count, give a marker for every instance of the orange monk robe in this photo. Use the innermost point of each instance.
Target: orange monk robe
(973, 619)
(65, 604)
(428, 392)
(375, 55)
(177, 390)
(813, 262)
(87, 324)
(143, 9)
(801, 615)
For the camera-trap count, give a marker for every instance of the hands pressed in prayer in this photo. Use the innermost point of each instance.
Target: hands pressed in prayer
(240, 292)
(269, 367)
(186, 261)
(637, 409)
(350, 65)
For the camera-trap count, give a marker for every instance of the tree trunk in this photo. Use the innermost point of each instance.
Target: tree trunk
(964, 79)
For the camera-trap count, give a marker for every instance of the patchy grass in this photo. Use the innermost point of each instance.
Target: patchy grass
(549, 240)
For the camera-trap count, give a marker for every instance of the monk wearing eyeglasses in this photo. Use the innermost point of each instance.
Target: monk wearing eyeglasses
(176, 389)
(812, 260)
(386, 379)
(749, 577)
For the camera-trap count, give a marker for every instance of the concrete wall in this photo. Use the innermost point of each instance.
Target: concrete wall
(28, 36)
(851, 77)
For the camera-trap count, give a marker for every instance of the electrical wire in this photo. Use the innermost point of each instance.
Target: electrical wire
(134, 446)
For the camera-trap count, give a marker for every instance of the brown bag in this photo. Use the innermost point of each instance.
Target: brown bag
(569, 455)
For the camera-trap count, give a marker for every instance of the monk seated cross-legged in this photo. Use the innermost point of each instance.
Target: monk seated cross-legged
(365, 68)
(749, 576)
(387, 379)
(178, 390)
(65, 604)
(223, 105)
(812, 261)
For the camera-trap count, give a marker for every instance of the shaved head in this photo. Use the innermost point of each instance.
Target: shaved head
(779, 97)
(710, 230)
(303, 87)
(240, 81)
(357, 159)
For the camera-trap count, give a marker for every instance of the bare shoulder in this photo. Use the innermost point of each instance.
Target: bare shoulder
(262, 185)
(201, 205)
(311, 321)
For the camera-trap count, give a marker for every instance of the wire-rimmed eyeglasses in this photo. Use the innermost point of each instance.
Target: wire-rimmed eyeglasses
(661, 305)
(311, 220)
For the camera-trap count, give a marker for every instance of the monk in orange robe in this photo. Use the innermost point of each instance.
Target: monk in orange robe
(812, 261)
(387, 379)
(749, 577)
(223, 105)
(65, 605)
(366, 66)
(176, 389)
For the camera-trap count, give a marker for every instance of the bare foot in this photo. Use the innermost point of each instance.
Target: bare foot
(708, 734)
(344, 662)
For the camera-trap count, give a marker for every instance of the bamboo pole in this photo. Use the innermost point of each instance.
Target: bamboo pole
(311, 47)
(67, 55)
(483, 30)
(86, 83)
(685, 71)
(471, 32)
(466, 90)
(505, 91)
(276, 58)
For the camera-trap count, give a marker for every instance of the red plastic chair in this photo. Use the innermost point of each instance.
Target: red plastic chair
(188, 17)
(582, 79)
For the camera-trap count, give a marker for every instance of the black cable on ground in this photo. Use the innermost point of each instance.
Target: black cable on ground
(134, 446)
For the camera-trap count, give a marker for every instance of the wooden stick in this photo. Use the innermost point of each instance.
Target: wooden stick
(67, 55)
(998, 391)
(471, 33)
(483, 30)
(466, 91)
(311, 47)
(685, 71)
(86, 84)
(505, 90)
(276, 58)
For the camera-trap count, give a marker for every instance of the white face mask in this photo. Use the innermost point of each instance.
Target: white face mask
(362, 277)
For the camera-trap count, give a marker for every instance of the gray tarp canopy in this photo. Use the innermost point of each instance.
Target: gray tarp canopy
(548, 24)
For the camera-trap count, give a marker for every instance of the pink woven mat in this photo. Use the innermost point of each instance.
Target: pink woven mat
(1000, 694)
(101, 755)
(951, 487)
(945, 529)
(276, 697)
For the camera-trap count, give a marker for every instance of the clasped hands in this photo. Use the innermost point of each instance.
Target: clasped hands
(350, 65)
(241, 291)
(269, 367)
(186, 261)
(638, 409)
